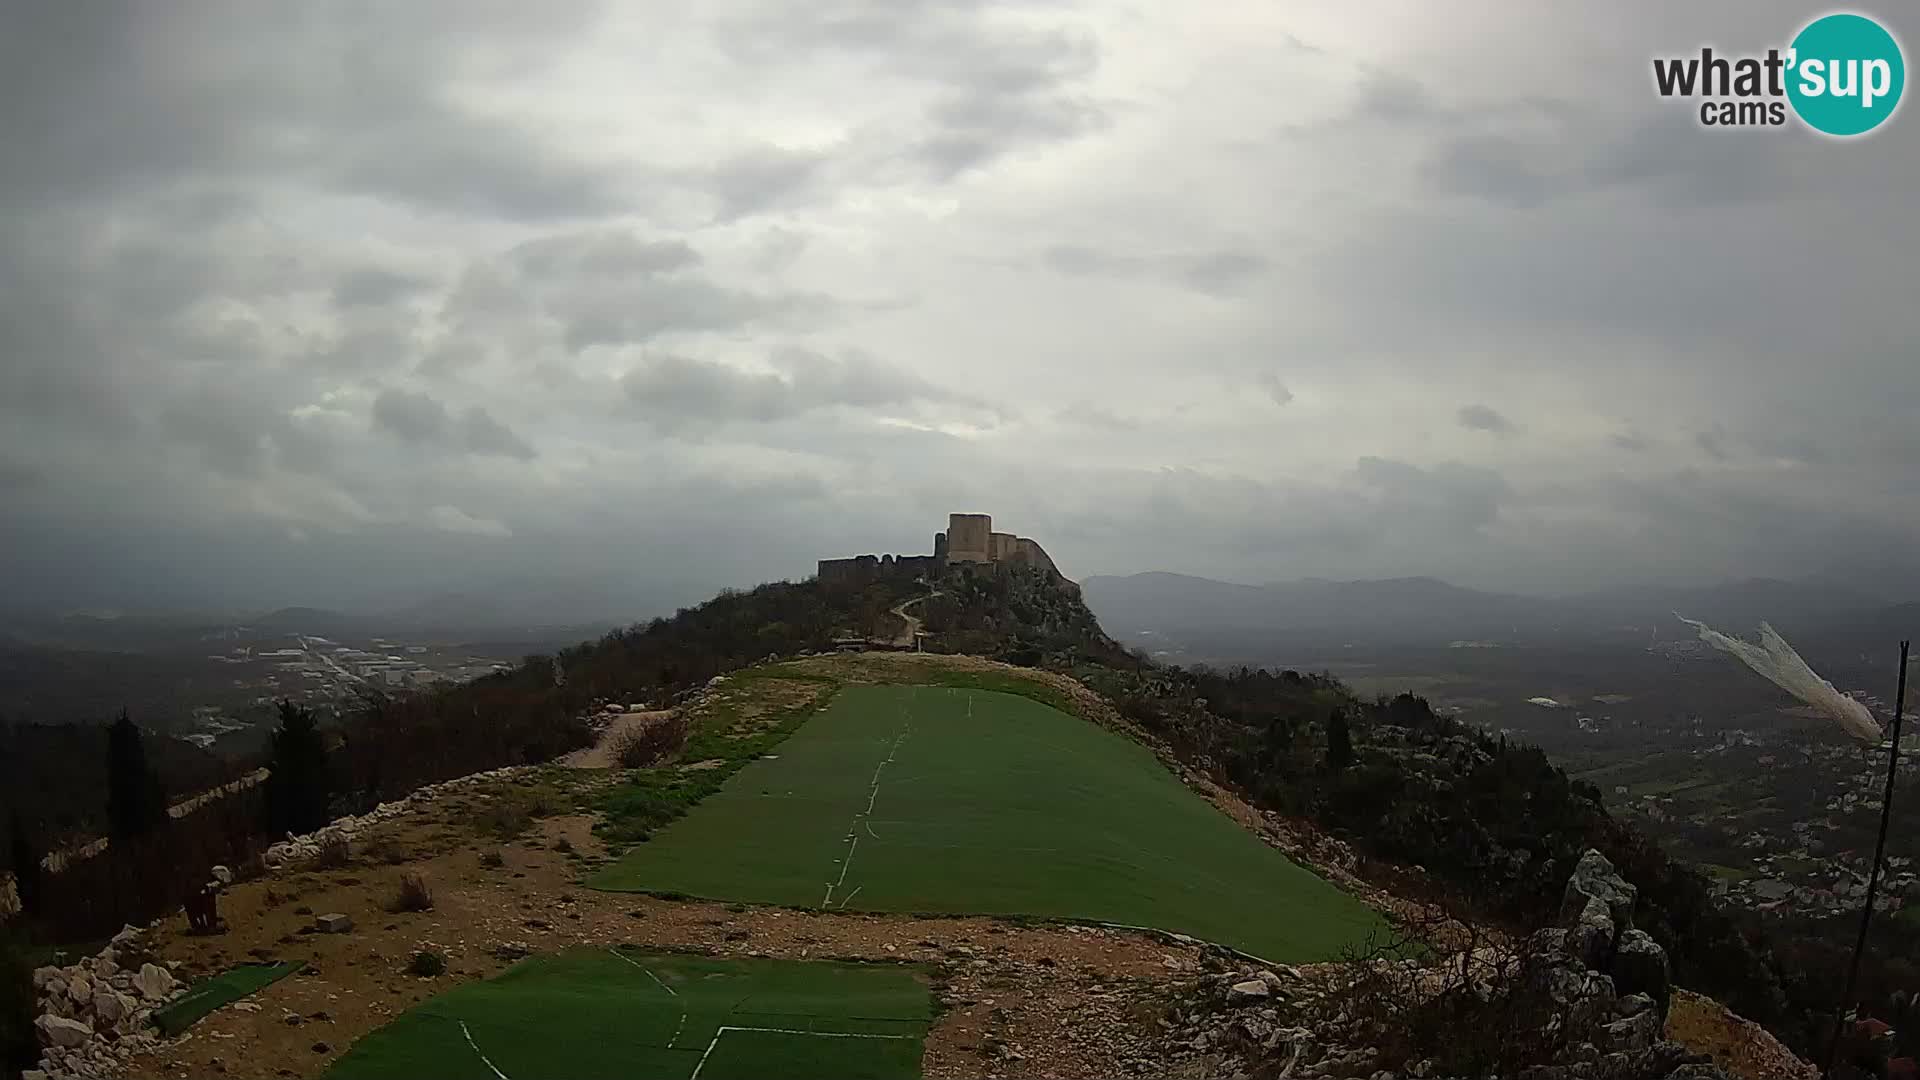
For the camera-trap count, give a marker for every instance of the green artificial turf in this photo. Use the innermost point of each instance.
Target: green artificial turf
(987, 803)
(592, 1013)
(209, 994)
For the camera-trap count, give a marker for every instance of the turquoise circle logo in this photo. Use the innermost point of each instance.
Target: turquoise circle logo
(1846, 74)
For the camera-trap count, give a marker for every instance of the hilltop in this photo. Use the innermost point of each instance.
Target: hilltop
(1407, 810)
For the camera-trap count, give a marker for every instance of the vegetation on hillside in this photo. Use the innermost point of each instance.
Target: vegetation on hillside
(1489, 820)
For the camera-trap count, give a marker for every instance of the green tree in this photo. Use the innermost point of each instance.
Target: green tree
(299, 788)
(1339, 740)
(136, 804)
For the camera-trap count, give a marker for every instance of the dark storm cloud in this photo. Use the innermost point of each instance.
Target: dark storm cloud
(1482, 418)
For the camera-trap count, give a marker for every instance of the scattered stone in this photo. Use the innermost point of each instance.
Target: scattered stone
(1640, 967)
(1636, 1032)
(1594, 877)
(333, 923)
(62, 1032)
(223, 875)
(1247, 992)
(322, 1048)
(154, 982)
(1590, 935)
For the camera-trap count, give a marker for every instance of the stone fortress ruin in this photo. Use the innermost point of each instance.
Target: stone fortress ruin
(969, 542)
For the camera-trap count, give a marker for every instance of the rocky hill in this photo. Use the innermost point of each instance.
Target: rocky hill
(1483, 852)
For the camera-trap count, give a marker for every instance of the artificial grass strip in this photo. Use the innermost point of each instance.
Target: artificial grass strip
(209, 994)
(968, 801)
(619, 1014)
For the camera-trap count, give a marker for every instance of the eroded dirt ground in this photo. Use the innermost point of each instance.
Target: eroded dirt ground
(1027, 1000)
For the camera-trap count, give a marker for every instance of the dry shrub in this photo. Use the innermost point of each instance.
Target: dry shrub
(413, 894)
(1473, 1009)
(426, 963)
(649, 744)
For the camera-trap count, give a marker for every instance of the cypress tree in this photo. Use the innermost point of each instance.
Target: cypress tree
(135, 802)
(299, 789)
(1339, 740)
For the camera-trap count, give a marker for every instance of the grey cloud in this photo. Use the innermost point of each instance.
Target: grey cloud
(1629, 440)
(611, 287)
(480, 433)
(237, 90)
(372, 286)
(1221, 272)
(678, 392)
(1712, 443)
(767, 178)
(1001, 85)
(1483, 418)
(423, 419)
(1083, 414)
(410, 416)
(600, 253)
(1216, 273)
(1275, 389)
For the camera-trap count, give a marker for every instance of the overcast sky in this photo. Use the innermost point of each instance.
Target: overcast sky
(343, 303)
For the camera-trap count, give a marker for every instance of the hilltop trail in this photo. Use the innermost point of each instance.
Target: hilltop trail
(914, 625)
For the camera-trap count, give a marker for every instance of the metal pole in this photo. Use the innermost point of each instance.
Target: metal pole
(1873, 877)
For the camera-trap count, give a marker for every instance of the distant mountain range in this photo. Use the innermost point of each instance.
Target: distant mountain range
(1427, 611)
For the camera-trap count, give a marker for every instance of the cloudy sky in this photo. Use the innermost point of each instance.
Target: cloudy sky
(345, 303)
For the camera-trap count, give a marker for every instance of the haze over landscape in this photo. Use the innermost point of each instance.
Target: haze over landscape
(939, 538)
(635, 302)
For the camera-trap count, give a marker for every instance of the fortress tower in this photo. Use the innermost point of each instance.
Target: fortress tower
(969, 538)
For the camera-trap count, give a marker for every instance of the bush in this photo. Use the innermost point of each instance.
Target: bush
(506, 817)
(413, 894)
(426, 963)
(648, 745)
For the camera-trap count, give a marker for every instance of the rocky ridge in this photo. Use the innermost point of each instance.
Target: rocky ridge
(95, 1014)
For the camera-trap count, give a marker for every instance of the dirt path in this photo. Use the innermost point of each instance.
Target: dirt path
(913, 622)
(600, 754)
(1024, 1000)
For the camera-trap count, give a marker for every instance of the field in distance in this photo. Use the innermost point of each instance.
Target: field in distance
(953, 800)
(588, 1014)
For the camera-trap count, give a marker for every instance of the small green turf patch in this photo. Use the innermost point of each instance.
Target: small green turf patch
(209, 994)
(939, 799)
(591, 1013)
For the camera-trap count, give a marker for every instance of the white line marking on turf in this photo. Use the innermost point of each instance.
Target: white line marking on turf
(476, 1049)
(649, 971)
(670, 990)
(781, 1031)
(873, 794)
